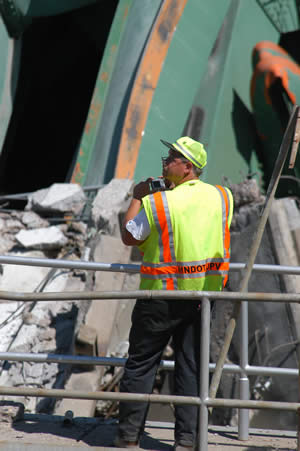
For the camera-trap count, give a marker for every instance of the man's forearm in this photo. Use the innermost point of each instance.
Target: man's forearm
(140, 190)
(132, 211)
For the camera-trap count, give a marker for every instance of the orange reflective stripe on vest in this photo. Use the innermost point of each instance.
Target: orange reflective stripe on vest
(185, 269)
(169, 270)
(226, 232)
(163, 224)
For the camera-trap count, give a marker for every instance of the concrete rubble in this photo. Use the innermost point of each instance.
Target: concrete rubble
(62, 222)
(42, 238)
(274, 328)
(59, 197)
(53, 225)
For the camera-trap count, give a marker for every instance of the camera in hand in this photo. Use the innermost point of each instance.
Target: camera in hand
(158, 184)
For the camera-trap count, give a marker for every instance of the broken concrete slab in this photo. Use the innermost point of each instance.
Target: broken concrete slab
(14, 225)
(110, 201)
(46, 327)
(59, 197)
(101, 316)
(120, 329)
(44, 238)
(85, 381)
(285, 227)
(11, 224)
(246, 193)
(272, 328)
(23, 278)
(85, 343)
(33, 221)
(7, 242)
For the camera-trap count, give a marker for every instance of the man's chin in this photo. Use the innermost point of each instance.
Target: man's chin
(168, 183)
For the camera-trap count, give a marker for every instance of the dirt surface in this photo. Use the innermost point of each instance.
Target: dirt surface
(51, 432)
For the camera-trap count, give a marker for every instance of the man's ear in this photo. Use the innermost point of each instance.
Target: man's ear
(189, 166)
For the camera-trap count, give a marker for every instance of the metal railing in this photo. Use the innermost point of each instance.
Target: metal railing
(204, 401)
(207, 394)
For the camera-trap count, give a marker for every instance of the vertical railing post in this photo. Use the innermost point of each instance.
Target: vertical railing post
(244, 380)
(204, 374)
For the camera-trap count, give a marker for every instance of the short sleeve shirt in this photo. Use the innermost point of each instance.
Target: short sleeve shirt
(139, 226)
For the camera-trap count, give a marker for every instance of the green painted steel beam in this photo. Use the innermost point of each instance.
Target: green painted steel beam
(88, 141)
(283, 14)
(213, 85)
(100, 140)
(182, 71)
(228, 128)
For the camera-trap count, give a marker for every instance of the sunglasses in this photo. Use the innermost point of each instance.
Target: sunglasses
(173, 156)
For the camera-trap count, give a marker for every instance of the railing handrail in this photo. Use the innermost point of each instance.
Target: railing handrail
(204, 400)
(167, 365)
(183, 295)
(127, 268)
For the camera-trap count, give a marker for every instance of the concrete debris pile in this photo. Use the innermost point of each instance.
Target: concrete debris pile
(248, 202)
(64, 222)
(59, 198)
(273, 327)
(53, 225)
(33, 229)
(247, 199)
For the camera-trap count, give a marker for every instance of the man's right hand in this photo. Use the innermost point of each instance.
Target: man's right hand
(142, 189)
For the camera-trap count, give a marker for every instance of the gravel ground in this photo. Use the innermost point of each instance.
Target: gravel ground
(51, 432)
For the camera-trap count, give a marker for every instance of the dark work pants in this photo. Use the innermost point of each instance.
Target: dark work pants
(154, 322)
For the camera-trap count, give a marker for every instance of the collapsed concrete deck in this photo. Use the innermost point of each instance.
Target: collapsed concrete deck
(51, 432)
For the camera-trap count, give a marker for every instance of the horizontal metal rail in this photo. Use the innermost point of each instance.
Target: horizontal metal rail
(204, 400)
(167, 365)
(183, 295)
(141, 397)
(67, 264)
(128, 268)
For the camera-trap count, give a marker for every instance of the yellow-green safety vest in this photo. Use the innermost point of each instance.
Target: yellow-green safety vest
(189, 243)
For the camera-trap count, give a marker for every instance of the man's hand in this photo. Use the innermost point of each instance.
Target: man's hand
(142, 189)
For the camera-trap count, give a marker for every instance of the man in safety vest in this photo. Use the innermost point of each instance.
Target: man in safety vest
(183, 233)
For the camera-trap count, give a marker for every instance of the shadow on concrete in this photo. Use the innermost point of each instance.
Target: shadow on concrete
(93, 432)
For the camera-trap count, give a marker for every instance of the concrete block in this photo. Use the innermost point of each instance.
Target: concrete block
(102, 313)
(86, 335)
(34, 330)
(271, 333)
(85, 342)
(284, 223)
(7, 242)
(284, 246)
(110, 202)
(44, 239)
(101, 316)
(296, 237)
(85, 381)
(60, 197)
(246, 193)
(33, 221)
